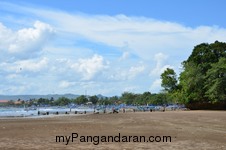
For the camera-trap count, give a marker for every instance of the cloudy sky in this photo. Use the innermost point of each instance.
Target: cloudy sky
(104, 46)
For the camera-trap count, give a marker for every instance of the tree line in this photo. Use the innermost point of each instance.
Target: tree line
(128, 98)
(202, 83)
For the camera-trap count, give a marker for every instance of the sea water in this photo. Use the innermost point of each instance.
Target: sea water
(16, 112)
(24, 112)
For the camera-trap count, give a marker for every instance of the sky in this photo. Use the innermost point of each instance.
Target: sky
(100, 47)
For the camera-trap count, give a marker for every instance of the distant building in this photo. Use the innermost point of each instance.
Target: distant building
(4, 101)
(89, 103)
(11, 102)
(18, 102)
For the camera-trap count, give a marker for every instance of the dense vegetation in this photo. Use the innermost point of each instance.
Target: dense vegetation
(126, 98)
(201, 84)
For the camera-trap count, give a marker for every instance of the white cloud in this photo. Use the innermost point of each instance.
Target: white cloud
(142, 36)
(134, 71)
(89, 67)
(33, 66)
(12, 76)
(25, 65)
(124, 56)
(25, 43)
(160, 59)
(77, 57)
(15, 89)
(66, 84)
(130, 89)
(125, 74)
(156, 85)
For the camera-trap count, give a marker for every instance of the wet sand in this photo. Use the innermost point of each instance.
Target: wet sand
(188, 130)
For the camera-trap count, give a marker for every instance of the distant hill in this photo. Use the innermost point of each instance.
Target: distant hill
(49, 96)
(28, 97)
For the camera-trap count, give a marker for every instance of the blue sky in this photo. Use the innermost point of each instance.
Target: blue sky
(190, 13)
(102, 47)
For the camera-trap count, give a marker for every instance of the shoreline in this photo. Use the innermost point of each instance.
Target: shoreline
(41, 116)
(92, 113)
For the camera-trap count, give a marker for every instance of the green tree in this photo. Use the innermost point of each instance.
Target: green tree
(94, 99)
(128, 97)
(216, 81)
(114, 100)
(10, 103)
(62, 101)
(43, 101)
(81, 100)
(198, 80)
(159, 99)
(169, 80)
(192, 83)
(144, 98)
(105, 101)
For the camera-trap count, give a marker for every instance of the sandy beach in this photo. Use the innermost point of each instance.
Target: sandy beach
(187, 129)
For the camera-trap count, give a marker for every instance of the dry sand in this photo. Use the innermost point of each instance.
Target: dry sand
(188, 129)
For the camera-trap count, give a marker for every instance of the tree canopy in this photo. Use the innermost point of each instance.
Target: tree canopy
(169, 80)
(203, 79)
